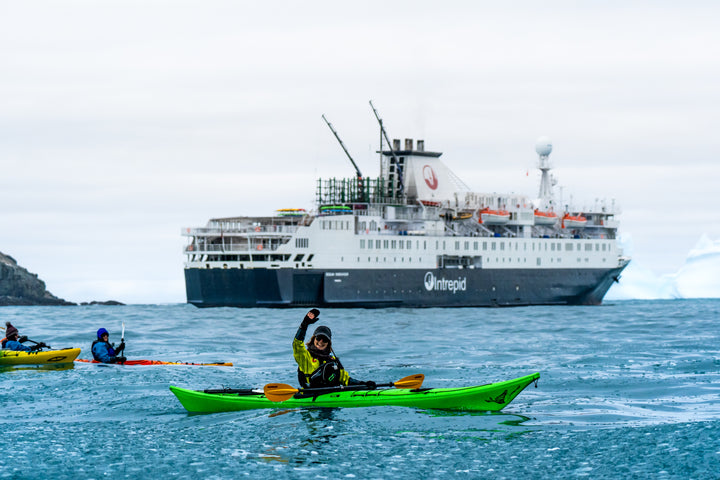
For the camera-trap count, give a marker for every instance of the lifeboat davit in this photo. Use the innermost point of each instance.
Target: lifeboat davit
(493, 217)
(545, 218)
(573, 221)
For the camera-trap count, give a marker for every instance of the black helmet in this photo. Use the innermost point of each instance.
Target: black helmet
(323, 331)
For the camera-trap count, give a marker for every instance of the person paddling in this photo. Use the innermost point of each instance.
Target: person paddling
(318, 366)
(13, 341)
(103, 351)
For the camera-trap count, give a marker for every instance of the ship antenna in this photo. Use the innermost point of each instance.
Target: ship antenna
(361, 192)
(392, 152)
(543, 147)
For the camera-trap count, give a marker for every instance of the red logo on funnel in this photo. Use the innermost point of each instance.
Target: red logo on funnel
(430, 177)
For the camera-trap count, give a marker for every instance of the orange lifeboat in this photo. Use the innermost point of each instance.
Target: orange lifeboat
(545, 218)
(573, 221)
(493, 217)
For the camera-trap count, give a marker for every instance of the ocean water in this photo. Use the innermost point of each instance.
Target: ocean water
(629, 389)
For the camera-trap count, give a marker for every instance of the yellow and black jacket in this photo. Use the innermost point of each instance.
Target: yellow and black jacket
(308, 364)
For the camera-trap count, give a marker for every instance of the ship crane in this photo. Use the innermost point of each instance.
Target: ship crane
(361, 190)
(396, 162)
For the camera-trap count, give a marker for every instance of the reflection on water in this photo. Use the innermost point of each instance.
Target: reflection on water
(319, 424)
(277, 413)
(477, 426)
(49, 366)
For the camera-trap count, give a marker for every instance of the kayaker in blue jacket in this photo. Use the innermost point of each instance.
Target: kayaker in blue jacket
(13, 340)
(103, 351)
(318, 366)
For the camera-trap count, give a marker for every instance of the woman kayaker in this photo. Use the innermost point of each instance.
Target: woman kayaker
(13, 340)
(103, 351)
(317, 364)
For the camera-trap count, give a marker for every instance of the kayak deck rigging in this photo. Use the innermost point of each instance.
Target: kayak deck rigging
(159, 362)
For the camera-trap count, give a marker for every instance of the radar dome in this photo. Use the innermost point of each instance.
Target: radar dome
(543, 146)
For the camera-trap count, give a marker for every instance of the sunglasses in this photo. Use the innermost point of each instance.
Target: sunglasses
(322, 339)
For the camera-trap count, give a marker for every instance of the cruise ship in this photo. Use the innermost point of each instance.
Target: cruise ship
(415, 236)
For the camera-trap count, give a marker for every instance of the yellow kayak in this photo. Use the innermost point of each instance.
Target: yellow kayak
(48, 357)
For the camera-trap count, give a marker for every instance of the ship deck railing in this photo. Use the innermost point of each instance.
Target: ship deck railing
(244, 230)
(213, 248)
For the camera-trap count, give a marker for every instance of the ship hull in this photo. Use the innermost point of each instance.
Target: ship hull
(378, 288)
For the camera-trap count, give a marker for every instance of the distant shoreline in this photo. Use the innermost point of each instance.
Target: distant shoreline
(19, 287)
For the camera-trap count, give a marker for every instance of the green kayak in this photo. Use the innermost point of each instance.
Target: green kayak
(490, 397)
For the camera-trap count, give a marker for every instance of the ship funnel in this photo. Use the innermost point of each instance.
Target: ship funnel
(396, 144)
(421, 145)
(408, 144)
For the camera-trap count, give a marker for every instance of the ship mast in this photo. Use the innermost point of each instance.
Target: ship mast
(361, 192)
(543, 147)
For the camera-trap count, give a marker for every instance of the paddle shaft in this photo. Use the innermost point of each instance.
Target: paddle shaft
(312, 391)
(309, 392)
(412, 381)
(38, 343)
(122, 340)
(278, 392)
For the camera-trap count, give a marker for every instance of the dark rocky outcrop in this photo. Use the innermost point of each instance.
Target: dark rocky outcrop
(20, 287)
(107, 302)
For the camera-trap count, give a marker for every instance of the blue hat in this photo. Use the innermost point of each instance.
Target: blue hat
(102, 332)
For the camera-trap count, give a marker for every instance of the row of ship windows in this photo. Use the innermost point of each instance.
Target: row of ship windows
(536, 246)
(335, 225)
(345, 225)
(284, 257)
(477, 264)
(497, 260)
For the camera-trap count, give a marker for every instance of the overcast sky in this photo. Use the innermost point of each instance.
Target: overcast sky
(122, 122)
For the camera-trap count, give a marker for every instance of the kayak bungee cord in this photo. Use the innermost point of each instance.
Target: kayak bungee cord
(146, 362)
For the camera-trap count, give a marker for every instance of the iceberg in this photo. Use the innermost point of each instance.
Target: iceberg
(698, 277)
